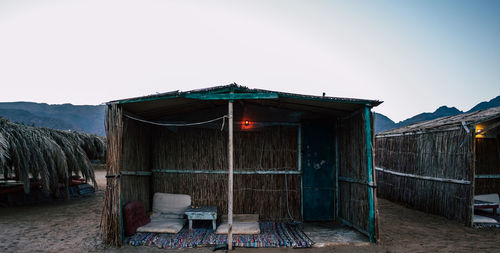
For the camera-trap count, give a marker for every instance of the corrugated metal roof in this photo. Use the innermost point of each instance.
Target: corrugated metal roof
(154, 105)
(239, 89)
(449, 122)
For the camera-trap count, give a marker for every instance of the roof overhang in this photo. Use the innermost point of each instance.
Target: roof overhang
(163, 104)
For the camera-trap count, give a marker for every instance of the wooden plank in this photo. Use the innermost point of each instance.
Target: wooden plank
(371, 203)
(438, 179)
(489, 176)
(299, 165)
(136, 173)
(382, 135)
(352, 180)
(473, 178)
(232, 96)
(245, 172)
(230, 178)
(337, 169)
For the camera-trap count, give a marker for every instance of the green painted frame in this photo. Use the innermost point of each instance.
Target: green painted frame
(371, 202)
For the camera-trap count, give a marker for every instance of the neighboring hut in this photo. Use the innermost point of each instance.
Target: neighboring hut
(44, 157)
(438, 166)
(299, 157)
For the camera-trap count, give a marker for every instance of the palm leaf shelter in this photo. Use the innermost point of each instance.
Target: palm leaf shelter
(280, 155)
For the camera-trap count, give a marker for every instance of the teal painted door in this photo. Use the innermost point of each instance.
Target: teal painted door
(318, 163)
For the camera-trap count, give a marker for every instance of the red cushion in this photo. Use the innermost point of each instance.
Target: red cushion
(134, 216)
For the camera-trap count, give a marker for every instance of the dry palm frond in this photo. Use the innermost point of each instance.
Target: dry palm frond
(49, 156)
(4, 147)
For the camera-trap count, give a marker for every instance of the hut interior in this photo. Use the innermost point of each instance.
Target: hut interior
(487, 165)
(302, 162)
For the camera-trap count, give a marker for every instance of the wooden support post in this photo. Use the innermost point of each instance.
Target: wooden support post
(371, 192)
(473, 178)
(299, 167)
(230, 178)
(337, 171)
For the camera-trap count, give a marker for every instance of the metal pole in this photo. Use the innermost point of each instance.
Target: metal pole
(230, 178)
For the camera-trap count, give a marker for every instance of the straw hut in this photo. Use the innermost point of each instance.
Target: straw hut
(438, 166)
(299, 157)
(46, 157)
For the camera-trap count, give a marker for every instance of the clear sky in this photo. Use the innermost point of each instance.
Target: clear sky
(414, 55)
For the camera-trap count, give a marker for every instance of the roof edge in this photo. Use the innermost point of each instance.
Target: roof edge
(235, 88)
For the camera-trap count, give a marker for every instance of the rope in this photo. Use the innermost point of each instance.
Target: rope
(177, 124)
(223, 122)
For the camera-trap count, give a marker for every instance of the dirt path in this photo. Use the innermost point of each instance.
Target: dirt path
(73, 226)
(53, 227)
(404, 229)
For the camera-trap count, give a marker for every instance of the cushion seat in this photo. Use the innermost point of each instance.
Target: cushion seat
(168, 213)
(163, 225)
(243, 224)
(483, 219)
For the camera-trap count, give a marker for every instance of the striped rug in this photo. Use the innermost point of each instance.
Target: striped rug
(272, 235)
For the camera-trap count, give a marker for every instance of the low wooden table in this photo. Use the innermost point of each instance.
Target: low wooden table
(202, 213)
(479, 204)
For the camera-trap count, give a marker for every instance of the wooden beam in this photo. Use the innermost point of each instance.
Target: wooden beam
(437, 179)
(299, 166)
(355, 181)
(382, 135)
(230, 178)
(489, 176)
(232, 96)
(337, 169)
(473, 180)
(235, 172)
(136, 173)
(371, 192)
(280, 104)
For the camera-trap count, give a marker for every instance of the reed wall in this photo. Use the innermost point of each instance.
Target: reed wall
(136, 156)
(272, 148)
(353, 202)
(446, 154)
(111, 222)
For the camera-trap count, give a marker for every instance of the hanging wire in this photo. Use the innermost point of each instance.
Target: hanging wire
(223, 122)
(178, 124)
(287, 206)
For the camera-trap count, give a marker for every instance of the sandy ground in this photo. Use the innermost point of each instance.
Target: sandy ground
(73, 226)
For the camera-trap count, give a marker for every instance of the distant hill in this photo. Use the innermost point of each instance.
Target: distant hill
(383, 123)
(485, 105)
(86, 118)
(28, 118)
(90, 118)
(442, 111)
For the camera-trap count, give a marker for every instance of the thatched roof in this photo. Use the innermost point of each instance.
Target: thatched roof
(446, 123)
(48, 155)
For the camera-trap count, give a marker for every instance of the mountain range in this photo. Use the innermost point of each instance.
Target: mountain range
(90, 118)
(383, 123)
(84, 118)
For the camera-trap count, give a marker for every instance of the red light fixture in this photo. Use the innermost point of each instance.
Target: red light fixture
(247, 123)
